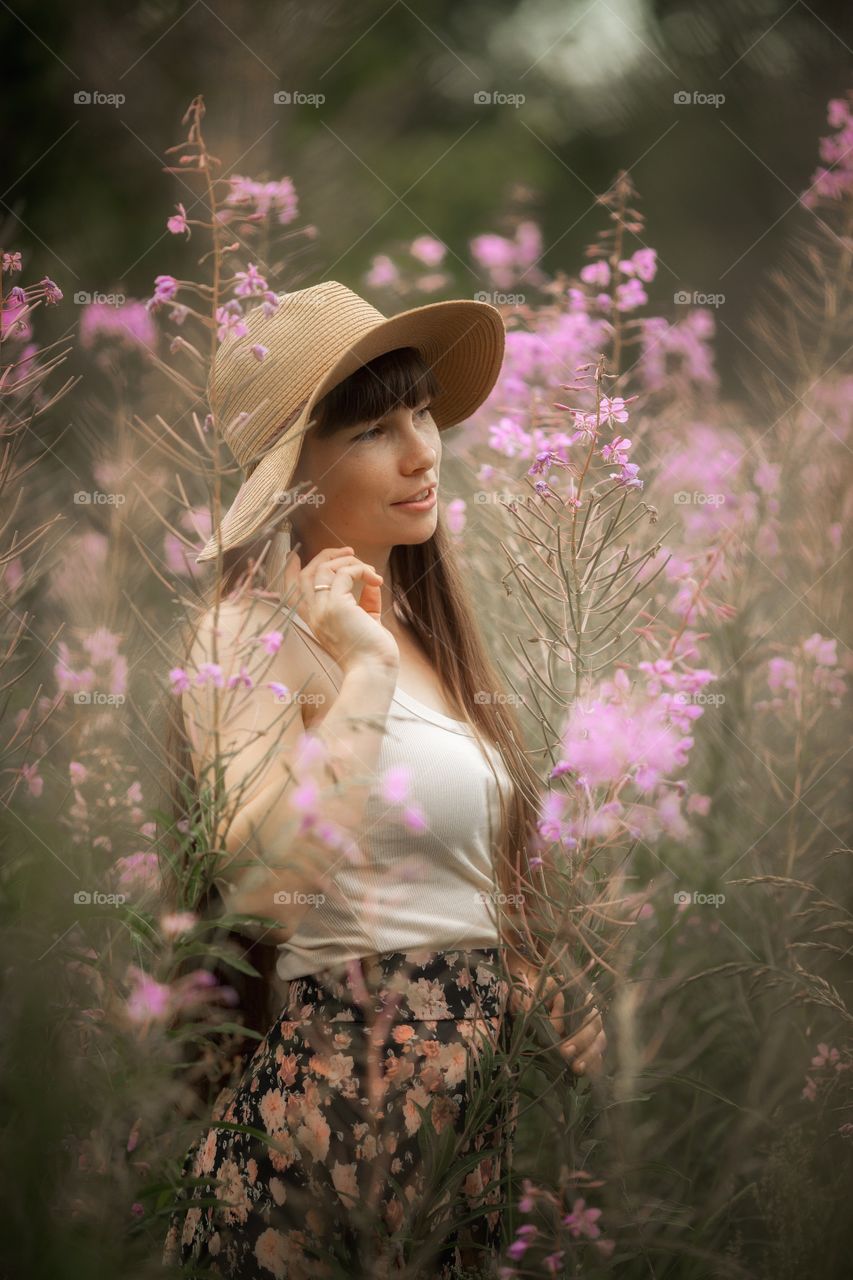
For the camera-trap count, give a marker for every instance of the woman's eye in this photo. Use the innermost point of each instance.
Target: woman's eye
(366, 435)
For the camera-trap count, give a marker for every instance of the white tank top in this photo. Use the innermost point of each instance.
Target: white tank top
(427, 889)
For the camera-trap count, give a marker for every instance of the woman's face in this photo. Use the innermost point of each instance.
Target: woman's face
(360, 472)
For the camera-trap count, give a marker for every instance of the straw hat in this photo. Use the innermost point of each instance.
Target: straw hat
(315, 338)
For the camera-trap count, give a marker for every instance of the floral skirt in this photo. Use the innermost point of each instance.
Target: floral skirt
(367, 1134)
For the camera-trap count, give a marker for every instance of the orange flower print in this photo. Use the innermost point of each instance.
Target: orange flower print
(427, 999)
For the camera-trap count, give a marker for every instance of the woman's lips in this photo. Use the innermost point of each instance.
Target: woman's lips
(425, 505)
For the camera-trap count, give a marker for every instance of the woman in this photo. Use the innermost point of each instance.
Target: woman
(373, 1114)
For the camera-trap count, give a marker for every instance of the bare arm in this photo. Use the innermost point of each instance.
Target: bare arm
(284, 861)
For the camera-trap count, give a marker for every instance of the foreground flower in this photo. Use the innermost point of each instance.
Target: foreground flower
(178, 224)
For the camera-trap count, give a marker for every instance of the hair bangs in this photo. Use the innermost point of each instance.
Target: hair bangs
(398, 378)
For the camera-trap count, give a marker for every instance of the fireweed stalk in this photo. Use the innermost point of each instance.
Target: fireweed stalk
(681, 690)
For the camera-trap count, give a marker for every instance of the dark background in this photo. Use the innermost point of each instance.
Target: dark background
(399, 148)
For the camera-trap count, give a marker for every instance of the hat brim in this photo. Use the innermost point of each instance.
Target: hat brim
(461, 340)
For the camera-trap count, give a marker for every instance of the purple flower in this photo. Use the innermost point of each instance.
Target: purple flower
(177, 224)
(180, 680)
(165, 288)
(52, 292)
(382, 272)
(629, 295)
(250, 282)
(614, 410)
(243, 678)
(395, 783)
(210, 671)
(428, 250)
(257, 199)
(148, 1000)
(822, 650)
(582, 1221)
(229, 324)
(627, 476)
(643, 264)
(617, 451)
(596, 273)
(131, 324)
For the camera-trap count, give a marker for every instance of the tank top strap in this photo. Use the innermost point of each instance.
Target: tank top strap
(317, 649)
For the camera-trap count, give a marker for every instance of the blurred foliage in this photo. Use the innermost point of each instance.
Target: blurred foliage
(399, 148)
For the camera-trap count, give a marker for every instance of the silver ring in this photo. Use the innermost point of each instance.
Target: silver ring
(322, 586)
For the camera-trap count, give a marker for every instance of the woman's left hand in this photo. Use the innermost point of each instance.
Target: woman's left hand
(584, 1050)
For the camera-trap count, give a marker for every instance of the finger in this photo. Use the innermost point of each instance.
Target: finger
(321, 572)
(586, 1034)
(371, 599)
(591, 1018)
(346, 575)
(556, 1013)
(591, 1063)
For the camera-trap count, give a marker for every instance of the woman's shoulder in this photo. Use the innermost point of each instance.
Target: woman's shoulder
(242, 622)
(239, 621)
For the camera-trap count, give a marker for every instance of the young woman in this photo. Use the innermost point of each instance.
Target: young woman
(373, 1113)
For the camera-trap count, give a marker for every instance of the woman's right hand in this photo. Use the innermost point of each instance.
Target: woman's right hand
(350, 630)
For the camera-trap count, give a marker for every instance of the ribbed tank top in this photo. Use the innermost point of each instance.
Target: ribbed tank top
(429, 889)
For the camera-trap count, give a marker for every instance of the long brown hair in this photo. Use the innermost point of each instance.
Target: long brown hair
(428, 585)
